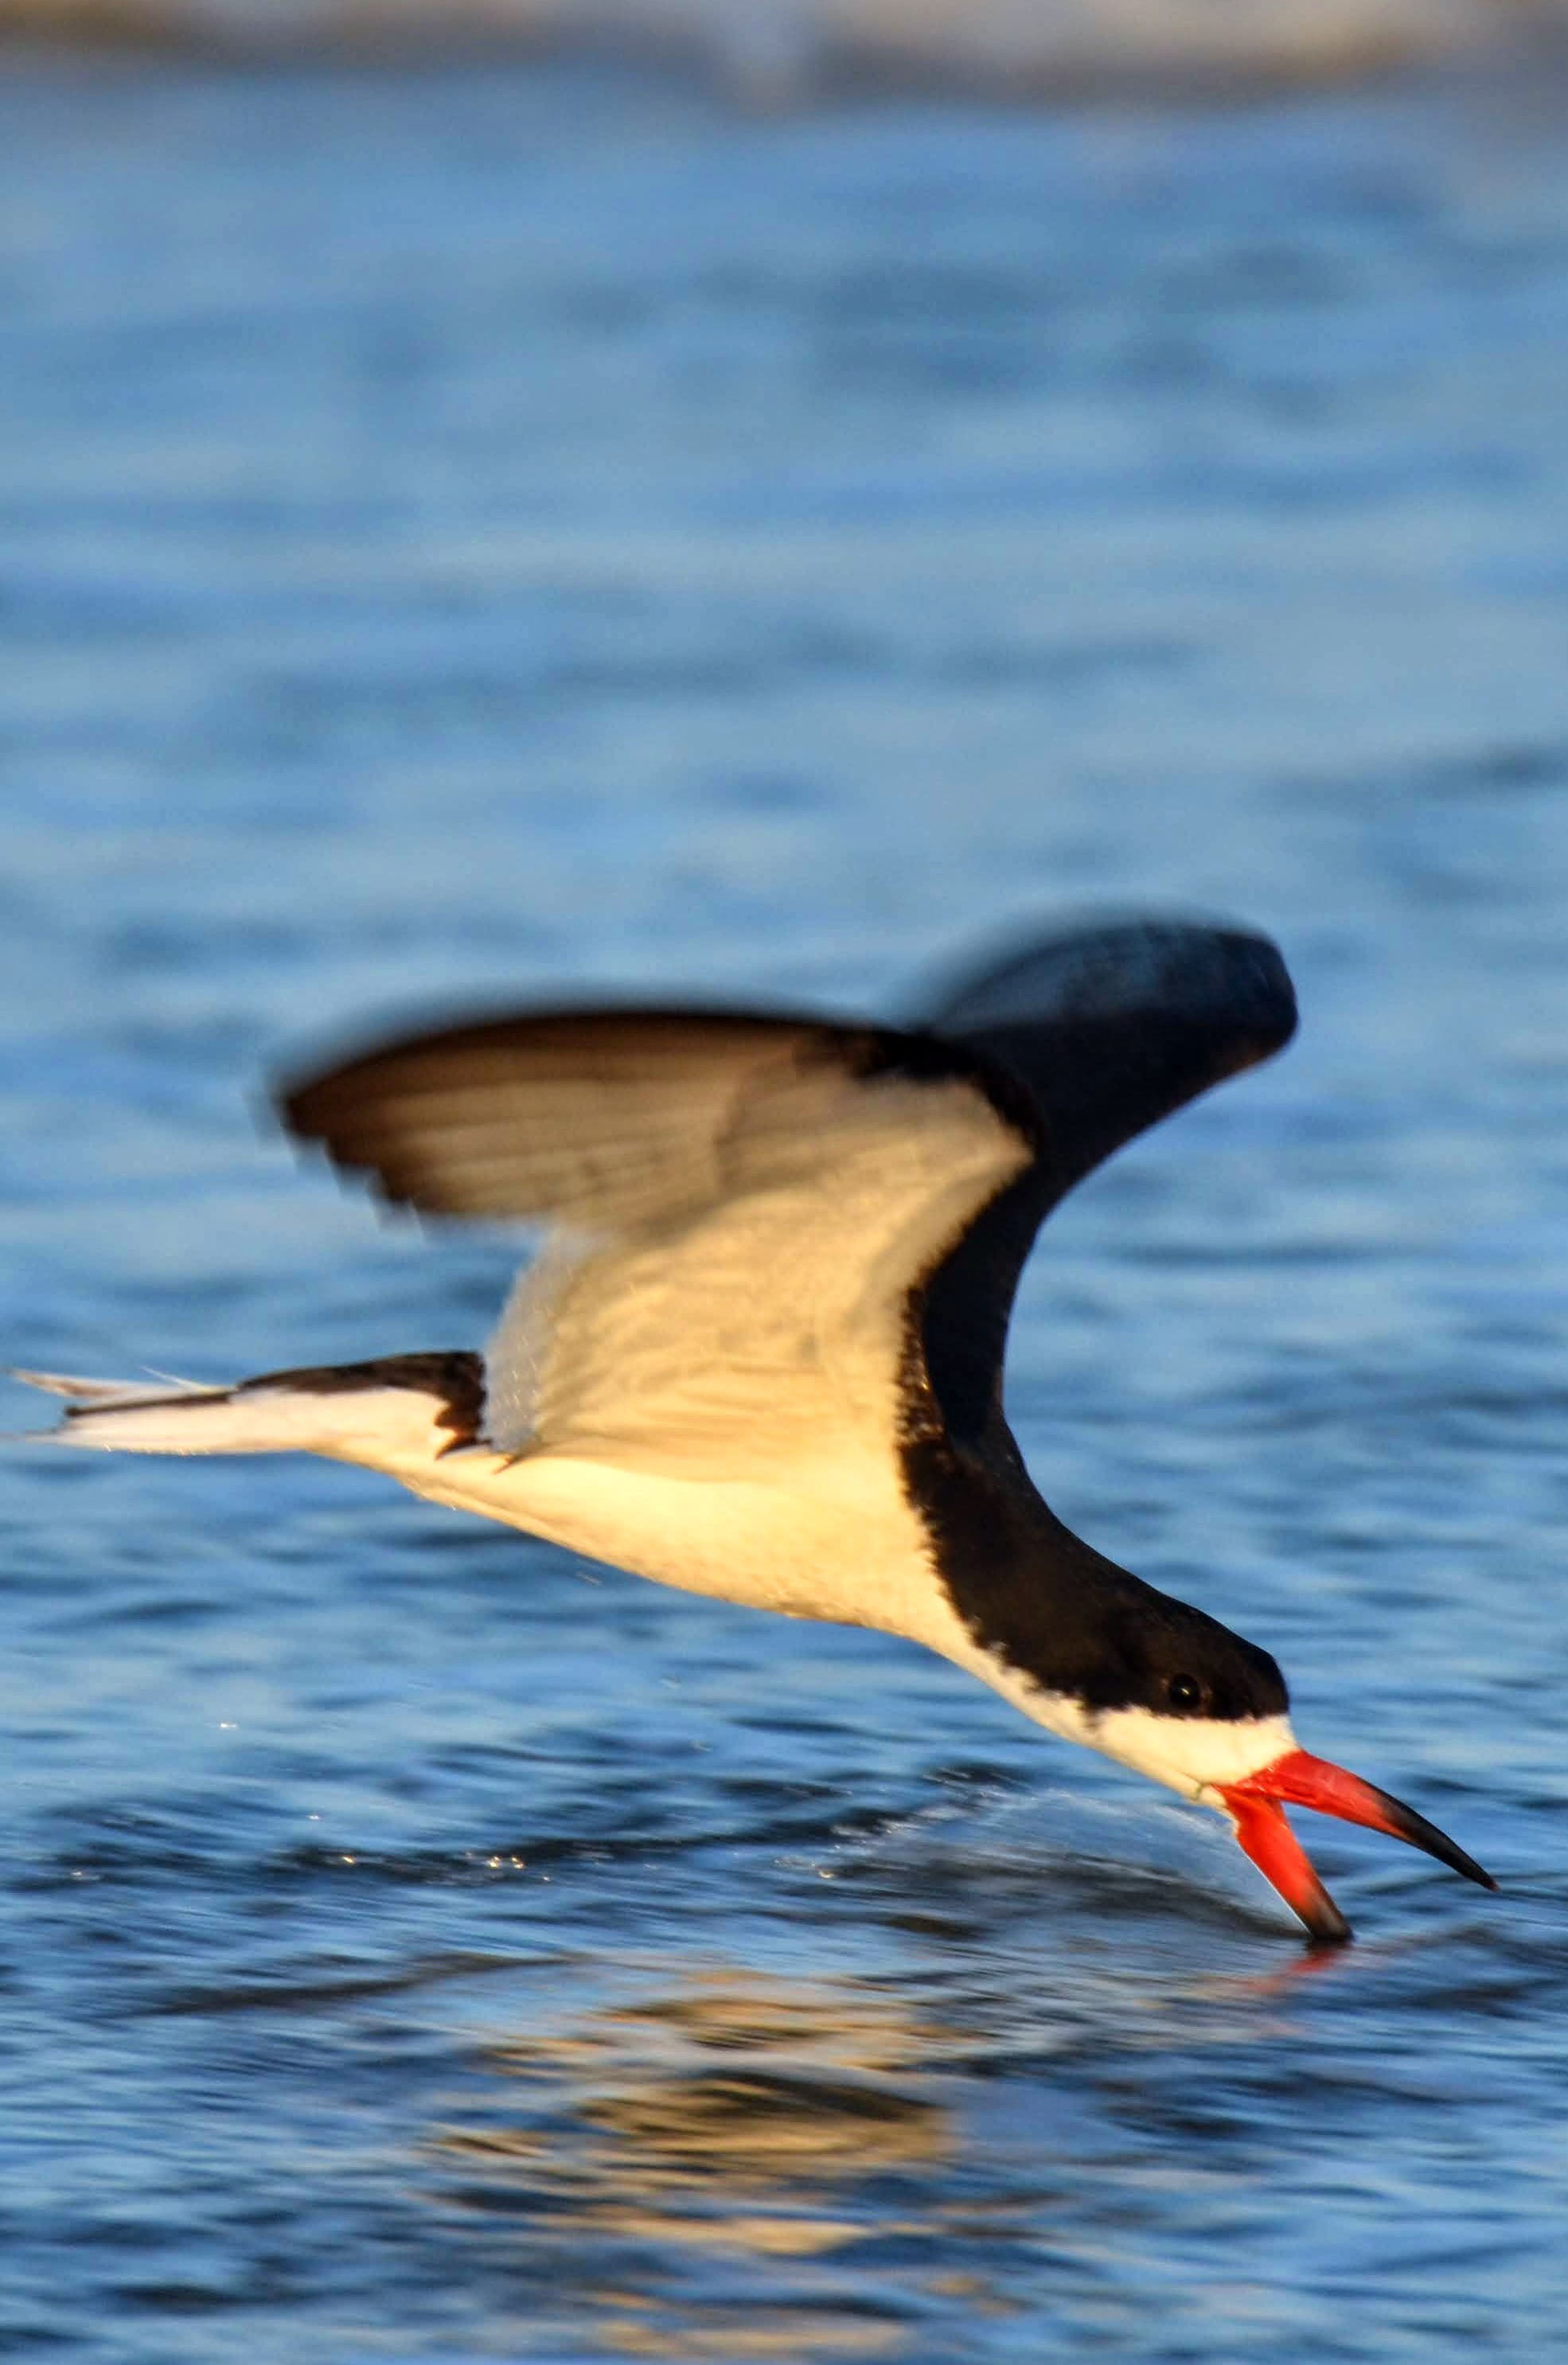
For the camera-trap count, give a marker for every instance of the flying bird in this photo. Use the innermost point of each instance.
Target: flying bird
(759, 1351)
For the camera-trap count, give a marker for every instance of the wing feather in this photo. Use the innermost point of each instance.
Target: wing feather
(739, 1209)
(744, 1208)
(596, 1116)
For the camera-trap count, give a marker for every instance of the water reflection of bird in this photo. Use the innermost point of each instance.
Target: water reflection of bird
(766, 2119)
(760, 1353)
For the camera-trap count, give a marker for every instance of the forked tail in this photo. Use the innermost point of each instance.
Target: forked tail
(351, 1410)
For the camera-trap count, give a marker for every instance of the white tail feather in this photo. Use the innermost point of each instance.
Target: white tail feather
(263, 1416)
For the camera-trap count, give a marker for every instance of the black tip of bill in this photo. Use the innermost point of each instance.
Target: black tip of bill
(1404, 1823)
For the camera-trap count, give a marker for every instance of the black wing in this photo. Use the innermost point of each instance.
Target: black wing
(1108, 1029)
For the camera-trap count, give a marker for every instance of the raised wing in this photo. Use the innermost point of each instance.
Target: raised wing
(1108, 1028)
(743, 1210)
(739, 1208)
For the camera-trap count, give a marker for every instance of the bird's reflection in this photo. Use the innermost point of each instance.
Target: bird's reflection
(738, 2122)
(717, 2163)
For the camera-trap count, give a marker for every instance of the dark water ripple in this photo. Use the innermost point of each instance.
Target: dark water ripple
(471, 532)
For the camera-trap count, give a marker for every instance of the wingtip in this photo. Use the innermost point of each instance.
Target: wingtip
(1099, 963)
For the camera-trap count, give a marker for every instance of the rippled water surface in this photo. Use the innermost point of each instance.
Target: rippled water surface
(482, 531)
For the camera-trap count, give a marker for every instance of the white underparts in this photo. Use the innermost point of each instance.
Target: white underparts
(833, 1537)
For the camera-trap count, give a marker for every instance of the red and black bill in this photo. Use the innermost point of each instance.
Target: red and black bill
(1256, 1806)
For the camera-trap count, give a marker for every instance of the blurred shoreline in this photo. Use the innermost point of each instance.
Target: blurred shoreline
(781, 52)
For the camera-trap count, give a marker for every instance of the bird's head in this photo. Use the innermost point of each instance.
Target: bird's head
(1174, 1695)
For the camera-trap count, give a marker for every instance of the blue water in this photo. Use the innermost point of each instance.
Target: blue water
(489, 530)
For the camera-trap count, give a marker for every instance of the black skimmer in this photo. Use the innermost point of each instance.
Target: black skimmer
(760, 1353)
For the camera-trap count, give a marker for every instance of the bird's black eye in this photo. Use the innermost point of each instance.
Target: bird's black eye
(1184, 1692)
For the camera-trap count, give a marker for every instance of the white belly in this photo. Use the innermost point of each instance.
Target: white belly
(810, 1547)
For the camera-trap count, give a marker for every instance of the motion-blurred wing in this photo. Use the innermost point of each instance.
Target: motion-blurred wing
(739, 1208)
(744, 1211)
